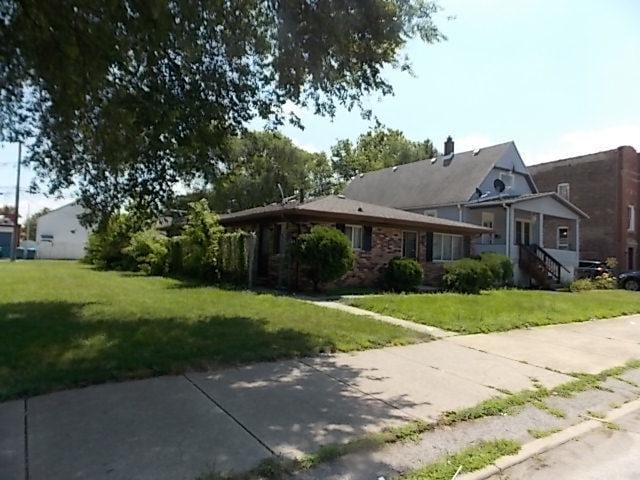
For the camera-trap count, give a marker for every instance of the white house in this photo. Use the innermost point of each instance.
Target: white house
(60, 235)
(491, 186)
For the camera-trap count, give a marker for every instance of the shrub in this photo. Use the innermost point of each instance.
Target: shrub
(602, 282)
(149, 250)
(500, 267)
(325, 254)
(174, 256)
(201, 241)
(232, 257)
(468, 275)
(402, 274)
(107, 244)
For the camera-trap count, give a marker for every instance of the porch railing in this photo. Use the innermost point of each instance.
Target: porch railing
(536, 261)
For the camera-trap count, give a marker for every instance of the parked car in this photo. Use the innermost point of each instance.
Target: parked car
(591, 269)
(630, 280)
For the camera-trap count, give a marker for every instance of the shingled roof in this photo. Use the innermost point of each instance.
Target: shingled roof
(447, 180)
(338, 208)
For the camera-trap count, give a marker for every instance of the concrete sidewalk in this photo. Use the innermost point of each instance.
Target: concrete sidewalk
(182, 426)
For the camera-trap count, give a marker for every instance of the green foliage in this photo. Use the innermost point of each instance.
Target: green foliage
(124, 99)
(149, 251)
(601, 282)
(500, 267)
(107, 245)
(402, 274)
(201, 241)
(472, 458)
(467, 275)
(325, 254)
(376, 149)
(233, 257)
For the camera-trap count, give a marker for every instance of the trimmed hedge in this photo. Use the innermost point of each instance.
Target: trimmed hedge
(468, 275)
(500, 266)
(402, 274)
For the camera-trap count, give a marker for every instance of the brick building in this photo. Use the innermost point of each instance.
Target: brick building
(605, 185)
(377, 234)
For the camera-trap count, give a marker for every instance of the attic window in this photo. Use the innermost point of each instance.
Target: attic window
(507, 178)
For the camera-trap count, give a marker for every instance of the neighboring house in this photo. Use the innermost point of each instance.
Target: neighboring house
(6, 236)
(605, 186)
(491, 187)
(60, 235)
(377, 234)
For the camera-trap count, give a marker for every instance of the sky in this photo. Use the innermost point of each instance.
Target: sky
(558, 77)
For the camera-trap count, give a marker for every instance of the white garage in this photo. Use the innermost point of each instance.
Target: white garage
(59, 234)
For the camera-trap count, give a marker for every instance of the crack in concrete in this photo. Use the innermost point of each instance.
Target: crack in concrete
(231, 416)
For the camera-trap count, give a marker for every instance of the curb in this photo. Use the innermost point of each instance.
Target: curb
(542, 445)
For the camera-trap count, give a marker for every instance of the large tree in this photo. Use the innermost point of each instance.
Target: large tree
(124, 98)
(260, 164)
(378, 148)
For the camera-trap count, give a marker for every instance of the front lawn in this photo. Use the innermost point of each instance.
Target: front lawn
(500, 310)
(63, 324)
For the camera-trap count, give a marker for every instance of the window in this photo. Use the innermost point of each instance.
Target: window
(46, 238)
(507, 178)
(631, 215)
(523, 232)
(447, 247)
(564, 190)
(410, 245)
(563, 238)
(431, 213)
(354, 234)
(488, 219)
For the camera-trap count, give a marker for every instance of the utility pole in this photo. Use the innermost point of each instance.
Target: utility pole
(16, 226)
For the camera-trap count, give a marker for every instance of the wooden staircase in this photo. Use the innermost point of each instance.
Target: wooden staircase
(543, 270)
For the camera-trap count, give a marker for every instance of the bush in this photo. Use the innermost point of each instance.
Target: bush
(233, 257)
(602, 282)
(402, 274)
(149, 251)
(174, 256)
(500, 267)
(325, 254)
(201, 241)
(106, 245)
(468, 275)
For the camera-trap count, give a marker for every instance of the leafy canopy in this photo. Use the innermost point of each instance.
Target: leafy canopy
(376, 149)
(124, 99)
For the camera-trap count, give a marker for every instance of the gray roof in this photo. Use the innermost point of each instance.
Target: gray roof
(344, 209)
(426, 183)
(589, 157)
(524, 198)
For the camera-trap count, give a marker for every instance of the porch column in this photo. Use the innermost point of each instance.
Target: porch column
(541, 230)
(578, 239)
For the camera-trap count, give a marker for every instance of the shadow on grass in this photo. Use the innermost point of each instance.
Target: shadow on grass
(46, 346)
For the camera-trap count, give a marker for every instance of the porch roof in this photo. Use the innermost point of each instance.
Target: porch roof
(338, 208)
(524, 198)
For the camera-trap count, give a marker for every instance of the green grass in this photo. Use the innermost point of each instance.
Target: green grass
(63, 324)
(535, 433)
(470, 459)
(501, 310)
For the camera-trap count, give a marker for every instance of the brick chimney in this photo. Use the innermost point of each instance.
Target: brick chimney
(448, 145)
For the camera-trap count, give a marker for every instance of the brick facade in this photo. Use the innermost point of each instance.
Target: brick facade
(603, 185)
(386, 244)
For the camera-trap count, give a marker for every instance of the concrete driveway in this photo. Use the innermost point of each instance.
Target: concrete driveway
(179, 427)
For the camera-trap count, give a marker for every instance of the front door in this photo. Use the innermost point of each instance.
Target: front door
(523, 232)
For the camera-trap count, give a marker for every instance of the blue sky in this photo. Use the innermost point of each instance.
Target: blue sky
(559, 77)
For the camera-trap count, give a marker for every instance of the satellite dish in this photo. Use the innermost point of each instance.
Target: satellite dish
(479, 192)
(499, 185)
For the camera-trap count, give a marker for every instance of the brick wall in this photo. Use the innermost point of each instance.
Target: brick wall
(602, 185)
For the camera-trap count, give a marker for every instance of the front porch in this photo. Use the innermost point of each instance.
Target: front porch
(518, 223)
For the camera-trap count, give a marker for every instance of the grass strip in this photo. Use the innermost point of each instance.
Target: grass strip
(470, 459)
(536, 433)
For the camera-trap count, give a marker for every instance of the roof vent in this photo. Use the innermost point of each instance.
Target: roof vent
(476, 152)
(341, 196)
(395, 168)
(360, 209)
(434, 160)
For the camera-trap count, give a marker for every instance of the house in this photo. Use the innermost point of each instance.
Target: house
(489, 187)
(6, 236)
(377, 234)
(59, 234)
(605, 186)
